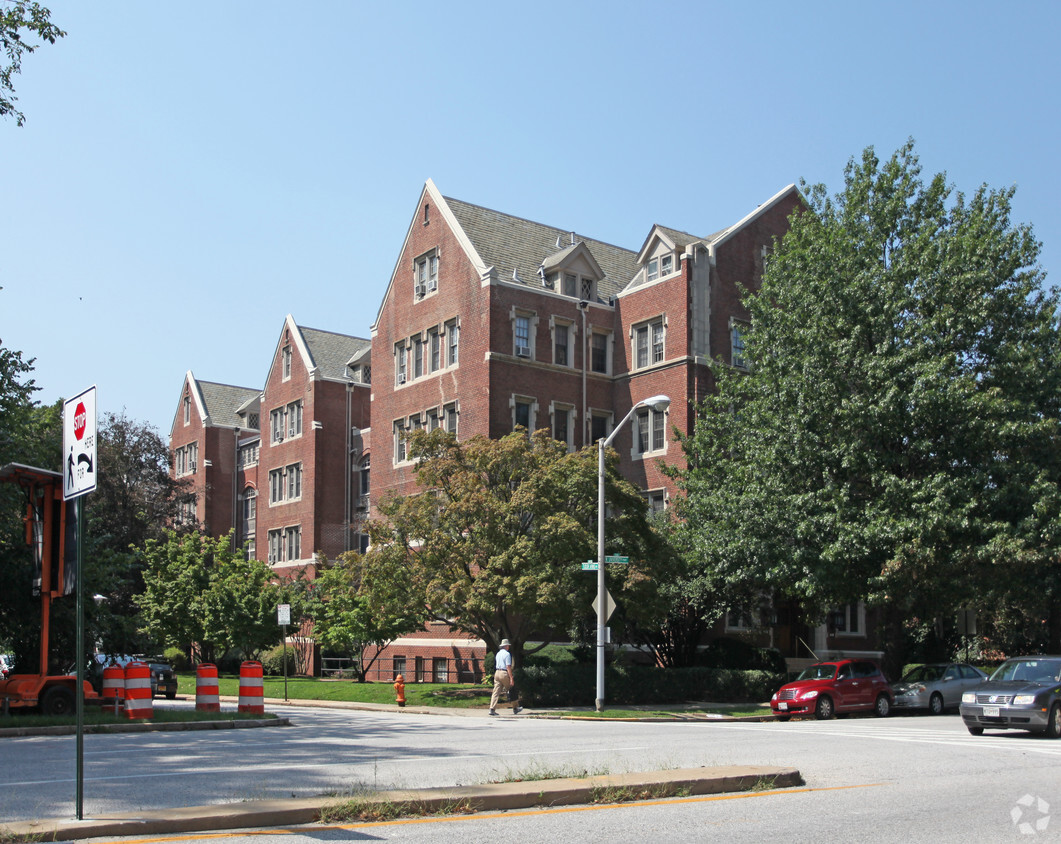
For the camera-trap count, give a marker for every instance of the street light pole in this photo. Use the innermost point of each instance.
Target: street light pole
(659, 404)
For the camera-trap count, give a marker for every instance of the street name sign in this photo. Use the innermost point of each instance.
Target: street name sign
(616, 558)
(591, 565)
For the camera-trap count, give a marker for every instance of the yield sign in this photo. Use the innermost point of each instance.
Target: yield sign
(79, 444)
(609, 605)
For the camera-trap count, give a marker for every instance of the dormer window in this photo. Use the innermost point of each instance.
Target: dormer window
(659, 267)
(578, 286)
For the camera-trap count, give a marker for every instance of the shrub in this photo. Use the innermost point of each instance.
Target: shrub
(273, 662)
(738, 654)
(576, 685)
(177, 658)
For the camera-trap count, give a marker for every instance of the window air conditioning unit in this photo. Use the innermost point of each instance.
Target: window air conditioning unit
(523, 351)
(401, 378)
(362, 502)
(420, 290)
(191, 467)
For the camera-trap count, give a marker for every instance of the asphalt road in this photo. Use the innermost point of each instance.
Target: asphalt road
(913, 778)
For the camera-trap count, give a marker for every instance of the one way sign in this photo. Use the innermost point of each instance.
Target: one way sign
(79, 444)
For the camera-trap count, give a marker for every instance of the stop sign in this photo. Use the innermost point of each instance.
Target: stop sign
(80, 420)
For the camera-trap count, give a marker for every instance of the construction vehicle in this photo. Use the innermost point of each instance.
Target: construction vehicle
(51, 536)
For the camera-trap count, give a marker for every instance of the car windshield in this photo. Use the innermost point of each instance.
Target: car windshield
(923, 674)
(1029, 670)
(818, 672)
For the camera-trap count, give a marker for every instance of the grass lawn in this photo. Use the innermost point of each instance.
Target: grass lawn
(314, 688)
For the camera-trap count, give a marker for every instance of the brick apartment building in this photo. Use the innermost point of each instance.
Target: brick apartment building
(488, 321)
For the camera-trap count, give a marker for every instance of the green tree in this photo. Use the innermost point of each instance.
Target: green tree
(177, 577)
(492, 543)
(895, 438)
(19, 18)
(240, 604)
(346, 621)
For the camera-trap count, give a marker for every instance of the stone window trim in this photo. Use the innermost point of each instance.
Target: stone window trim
(517, 404)
(563, 347)
(285, 362)
(602, 423)
(425, 273)
(524, 332)
(648, 342)
(655, 499)
(563, 419)
(649, 428)
(285, 422)
(601, 351)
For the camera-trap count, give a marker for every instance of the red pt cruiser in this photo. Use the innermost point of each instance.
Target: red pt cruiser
(828, 688)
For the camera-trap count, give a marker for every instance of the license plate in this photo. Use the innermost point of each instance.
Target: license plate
(990, 711)
(783, 705)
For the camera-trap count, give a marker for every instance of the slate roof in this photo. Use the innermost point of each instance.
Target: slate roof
(331, 351)
(510, 243)
(222, 401)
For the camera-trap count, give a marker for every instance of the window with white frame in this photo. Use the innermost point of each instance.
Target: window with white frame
(400, 445)
(286, 422)
(523, 412)
(285, 357)
(418, 357)
(248, 520)
(186, 459)
(425, 274)
(449, 417)
(562, 355)
(659, 267)
(433, 422)
(248, 455)
(598, 352)
(186, 510)
(294, 419)
(736, 344)
(648, 343)
(187, 410)
(600, 425)
(434, 349)
(579, 286)
(563, 424)
(849, 619)
(294, 481)
(523, 334)
(452, 341)
(276, 546)
(293, 543)
(440, 669)
(651, 433)
(655, 500)
(400, 362)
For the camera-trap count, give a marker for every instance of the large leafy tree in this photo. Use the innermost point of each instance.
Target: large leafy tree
(198, 591)
(20, 19)
(492, 543)
(347, 621)
(896, 436)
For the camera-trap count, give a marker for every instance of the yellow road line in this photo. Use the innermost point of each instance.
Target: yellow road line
(521, 813)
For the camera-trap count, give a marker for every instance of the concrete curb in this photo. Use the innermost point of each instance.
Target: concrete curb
(490, 797)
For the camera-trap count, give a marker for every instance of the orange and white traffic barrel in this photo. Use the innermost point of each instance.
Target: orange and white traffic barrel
(138, 698)
(251, 688)
(207, 697)
(113, 690)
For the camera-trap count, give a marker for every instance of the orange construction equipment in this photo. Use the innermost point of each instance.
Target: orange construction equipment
(139, 701)
(46, 533)
(399, 688)
(251, 688)
(207, 697)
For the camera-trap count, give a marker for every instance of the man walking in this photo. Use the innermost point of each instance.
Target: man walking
(503, 679)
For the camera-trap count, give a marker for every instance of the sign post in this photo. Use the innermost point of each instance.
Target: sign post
(79, 477)
(283, 618)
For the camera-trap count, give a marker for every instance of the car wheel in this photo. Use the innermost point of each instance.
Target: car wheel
(58, 700)
(935, 704)
(1053, 724)
(976, 731)
(825, 709)
(883, 706)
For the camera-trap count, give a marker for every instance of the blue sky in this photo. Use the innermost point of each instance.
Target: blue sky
(191, 173)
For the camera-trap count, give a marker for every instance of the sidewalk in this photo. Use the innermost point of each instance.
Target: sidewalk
(491, 797)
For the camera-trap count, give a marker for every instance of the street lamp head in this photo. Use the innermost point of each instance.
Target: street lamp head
(657, 403)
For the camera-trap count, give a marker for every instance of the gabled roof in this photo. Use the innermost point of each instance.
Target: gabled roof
(516, 248)
(331, 352)
(217, 404)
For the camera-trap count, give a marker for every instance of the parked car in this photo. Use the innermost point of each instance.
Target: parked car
(1024, 693)
(830, 688)
(163, 680)
(936, 686)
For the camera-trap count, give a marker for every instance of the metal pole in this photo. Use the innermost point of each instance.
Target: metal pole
(79, 691)
(601, 591)
(285, 663)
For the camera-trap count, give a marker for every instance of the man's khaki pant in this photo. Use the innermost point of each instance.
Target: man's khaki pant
(501, 685)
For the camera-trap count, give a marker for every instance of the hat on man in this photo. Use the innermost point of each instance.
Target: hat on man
(505, 643)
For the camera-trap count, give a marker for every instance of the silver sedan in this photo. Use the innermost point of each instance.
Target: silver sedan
(936, 686)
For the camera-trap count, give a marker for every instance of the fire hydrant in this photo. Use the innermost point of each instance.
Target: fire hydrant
(399, 688)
